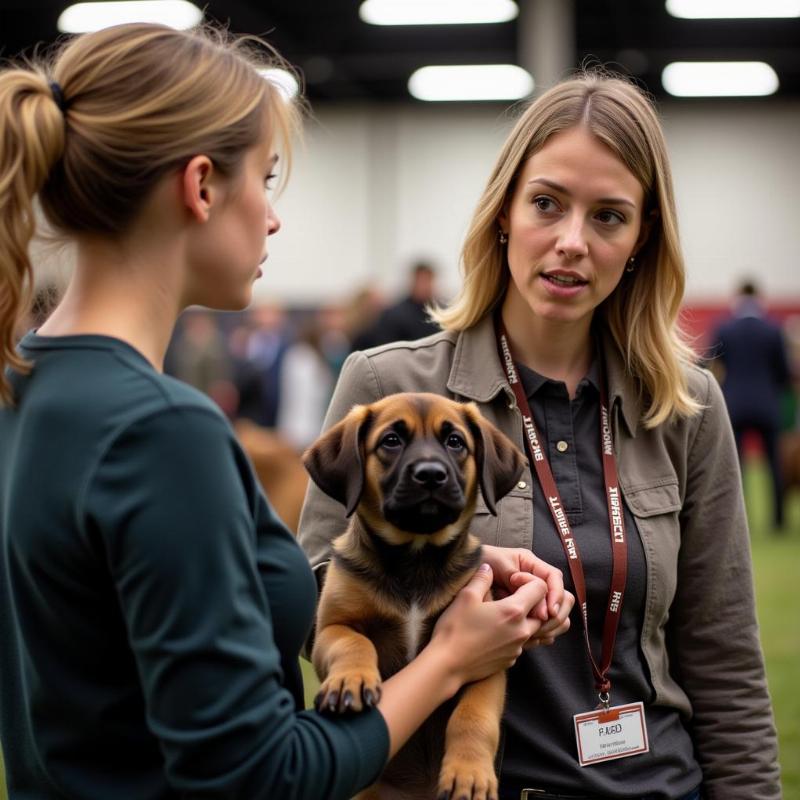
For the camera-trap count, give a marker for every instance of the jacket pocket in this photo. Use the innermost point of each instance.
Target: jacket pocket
(654, 498)
(655, 507)
(513, 525)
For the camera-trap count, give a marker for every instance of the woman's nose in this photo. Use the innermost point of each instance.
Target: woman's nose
(273, 221)
(572, 237)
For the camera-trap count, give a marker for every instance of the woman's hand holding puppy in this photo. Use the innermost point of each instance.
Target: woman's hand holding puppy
(481, 636)
(514, 567)
(474, 638)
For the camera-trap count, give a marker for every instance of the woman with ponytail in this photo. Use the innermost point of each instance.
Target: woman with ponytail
(152, 606)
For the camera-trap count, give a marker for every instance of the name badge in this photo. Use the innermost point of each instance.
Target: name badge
(606, 734)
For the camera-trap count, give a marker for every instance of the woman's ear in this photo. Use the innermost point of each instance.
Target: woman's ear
(502, 219)
(644, 231)
(198, 194)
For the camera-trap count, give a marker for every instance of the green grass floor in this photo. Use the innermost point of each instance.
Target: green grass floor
(776, 559)
(777, 574)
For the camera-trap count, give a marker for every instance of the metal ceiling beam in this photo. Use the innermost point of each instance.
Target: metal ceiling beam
(546, 40)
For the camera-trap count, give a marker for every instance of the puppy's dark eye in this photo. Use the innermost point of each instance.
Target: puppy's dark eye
(455, 442)
(391, 441)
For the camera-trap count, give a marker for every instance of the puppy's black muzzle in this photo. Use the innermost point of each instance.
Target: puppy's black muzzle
(429, 474)
(425, 497)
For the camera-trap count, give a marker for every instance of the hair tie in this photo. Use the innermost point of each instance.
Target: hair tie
(58, 96)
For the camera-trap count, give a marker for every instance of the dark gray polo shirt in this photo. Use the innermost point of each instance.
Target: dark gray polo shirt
(539, 735)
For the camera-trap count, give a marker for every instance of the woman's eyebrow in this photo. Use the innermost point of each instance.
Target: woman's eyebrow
(563, 189)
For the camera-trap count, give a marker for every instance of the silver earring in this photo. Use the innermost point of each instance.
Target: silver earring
(631, 264)
(502, 236)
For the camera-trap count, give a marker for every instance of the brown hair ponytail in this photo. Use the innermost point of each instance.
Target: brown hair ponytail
(32, 141)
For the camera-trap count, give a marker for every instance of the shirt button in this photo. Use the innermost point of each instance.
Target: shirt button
(521, 485)
(562, 446)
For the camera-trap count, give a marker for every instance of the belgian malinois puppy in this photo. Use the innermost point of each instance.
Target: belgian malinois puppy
(407, 469)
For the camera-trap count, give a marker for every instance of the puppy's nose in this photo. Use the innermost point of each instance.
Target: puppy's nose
(429, 474)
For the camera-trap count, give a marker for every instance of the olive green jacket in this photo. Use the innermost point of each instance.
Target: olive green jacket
(681, 481)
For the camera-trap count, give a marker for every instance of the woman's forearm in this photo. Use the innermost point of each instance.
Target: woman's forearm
(410, 696)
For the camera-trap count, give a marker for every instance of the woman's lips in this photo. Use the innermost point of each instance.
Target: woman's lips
(562, 284)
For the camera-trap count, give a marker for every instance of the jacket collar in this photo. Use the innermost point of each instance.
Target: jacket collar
(622, 390)
(476, 372)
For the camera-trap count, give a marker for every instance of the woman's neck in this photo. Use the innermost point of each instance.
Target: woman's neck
(113, 294)
(561, 351)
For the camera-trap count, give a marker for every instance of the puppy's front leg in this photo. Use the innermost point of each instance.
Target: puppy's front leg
(347, 663)
(471, 740)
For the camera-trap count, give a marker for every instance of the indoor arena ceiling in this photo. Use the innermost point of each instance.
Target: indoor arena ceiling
(345, 59)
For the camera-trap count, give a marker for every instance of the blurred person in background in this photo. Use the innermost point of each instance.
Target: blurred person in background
(245, 374)
(361, 314)
(198, 355)
(266, 347)
(566, 335)
(751, 362)
(305, 387)
(334, 334)
(152, 606)
(408, 318)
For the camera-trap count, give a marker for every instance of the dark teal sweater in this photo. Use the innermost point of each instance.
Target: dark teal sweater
(152, 606)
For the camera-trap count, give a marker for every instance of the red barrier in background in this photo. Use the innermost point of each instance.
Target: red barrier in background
(701, 319)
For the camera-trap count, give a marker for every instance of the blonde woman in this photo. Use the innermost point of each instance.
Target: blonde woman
(152, 607)
(565, 333)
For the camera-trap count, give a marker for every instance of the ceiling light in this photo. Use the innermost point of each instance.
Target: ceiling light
(83, 17)
(436, 12)
(733, 9)
(719, 79)
(284, 80)
(471, 82)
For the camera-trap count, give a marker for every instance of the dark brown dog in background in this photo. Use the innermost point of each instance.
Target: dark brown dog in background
(278, 467)
(408, 468)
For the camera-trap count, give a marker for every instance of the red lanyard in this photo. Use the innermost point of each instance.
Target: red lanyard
(616, 520)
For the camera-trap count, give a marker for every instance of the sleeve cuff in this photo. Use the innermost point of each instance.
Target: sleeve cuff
(361, 742)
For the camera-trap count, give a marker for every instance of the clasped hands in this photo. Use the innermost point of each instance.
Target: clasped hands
(513, 567)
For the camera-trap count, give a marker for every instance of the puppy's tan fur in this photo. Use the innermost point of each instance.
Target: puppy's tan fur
(405, 554)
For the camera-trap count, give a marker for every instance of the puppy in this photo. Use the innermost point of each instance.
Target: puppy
(407, 469)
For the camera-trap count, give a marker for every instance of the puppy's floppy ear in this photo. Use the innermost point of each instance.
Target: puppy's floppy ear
(335, 461)
(500, 462)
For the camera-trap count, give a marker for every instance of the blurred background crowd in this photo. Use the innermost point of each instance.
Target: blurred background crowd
(272, 369)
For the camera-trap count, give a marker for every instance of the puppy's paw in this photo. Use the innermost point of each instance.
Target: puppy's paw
(342, 692)
(467, 778)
